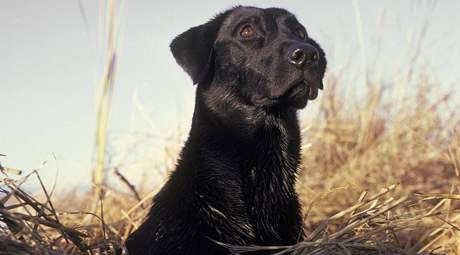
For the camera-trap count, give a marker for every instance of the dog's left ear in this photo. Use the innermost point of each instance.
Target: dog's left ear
(193, 49)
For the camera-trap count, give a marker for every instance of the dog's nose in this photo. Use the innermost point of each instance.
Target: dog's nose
(303, 55)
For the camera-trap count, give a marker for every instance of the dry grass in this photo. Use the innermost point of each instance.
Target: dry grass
(380, 176)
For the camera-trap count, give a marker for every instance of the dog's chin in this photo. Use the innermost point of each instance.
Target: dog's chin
(297, 96)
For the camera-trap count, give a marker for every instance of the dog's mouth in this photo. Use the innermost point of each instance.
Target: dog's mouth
(296, 95)
(303, 89)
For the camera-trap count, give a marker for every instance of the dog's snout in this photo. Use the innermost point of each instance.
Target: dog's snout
(303, 55)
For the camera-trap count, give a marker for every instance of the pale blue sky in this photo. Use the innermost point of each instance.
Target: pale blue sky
(51, 60)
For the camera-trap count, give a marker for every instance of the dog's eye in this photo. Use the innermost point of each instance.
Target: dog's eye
(300, 33)
(247, 32)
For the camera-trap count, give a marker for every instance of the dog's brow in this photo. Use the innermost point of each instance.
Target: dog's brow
(238, 14)
(291, 22)
(270, 22)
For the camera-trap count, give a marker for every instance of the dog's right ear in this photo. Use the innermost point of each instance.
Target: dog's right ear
(193, 49)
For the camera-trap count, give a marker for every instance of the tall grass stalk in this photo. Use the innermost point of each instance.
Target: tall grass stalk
(104, 100)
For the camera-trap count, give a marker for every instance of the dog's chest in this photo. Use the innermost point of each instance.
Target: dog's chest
(269, 186)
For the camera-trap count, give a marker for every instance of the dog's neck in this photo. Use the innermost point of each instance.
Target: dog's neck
(218, 121)
(260, 161)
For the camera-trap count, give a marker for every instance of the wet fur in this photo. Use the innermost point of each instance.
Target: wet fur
(234, 181)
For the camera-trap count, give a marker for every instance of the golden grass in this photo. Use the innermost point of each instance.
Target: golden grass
(379, 176)
(104, 100)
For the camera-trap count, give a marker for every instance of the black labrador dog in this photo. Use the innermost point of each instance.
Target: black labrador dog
(234, 181)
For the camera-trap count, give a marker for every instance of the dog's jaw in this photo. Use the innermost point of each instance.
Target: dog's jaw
(296, 96)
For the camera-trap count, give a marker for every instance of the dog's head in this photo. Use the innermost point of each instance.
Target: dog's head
(262, 58)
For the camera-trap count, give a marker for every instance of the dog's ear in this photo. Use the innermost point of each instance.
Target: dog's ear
(193, 49)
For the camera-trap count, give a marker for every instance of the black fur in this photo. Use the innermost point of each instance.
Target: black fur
(234, 181)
